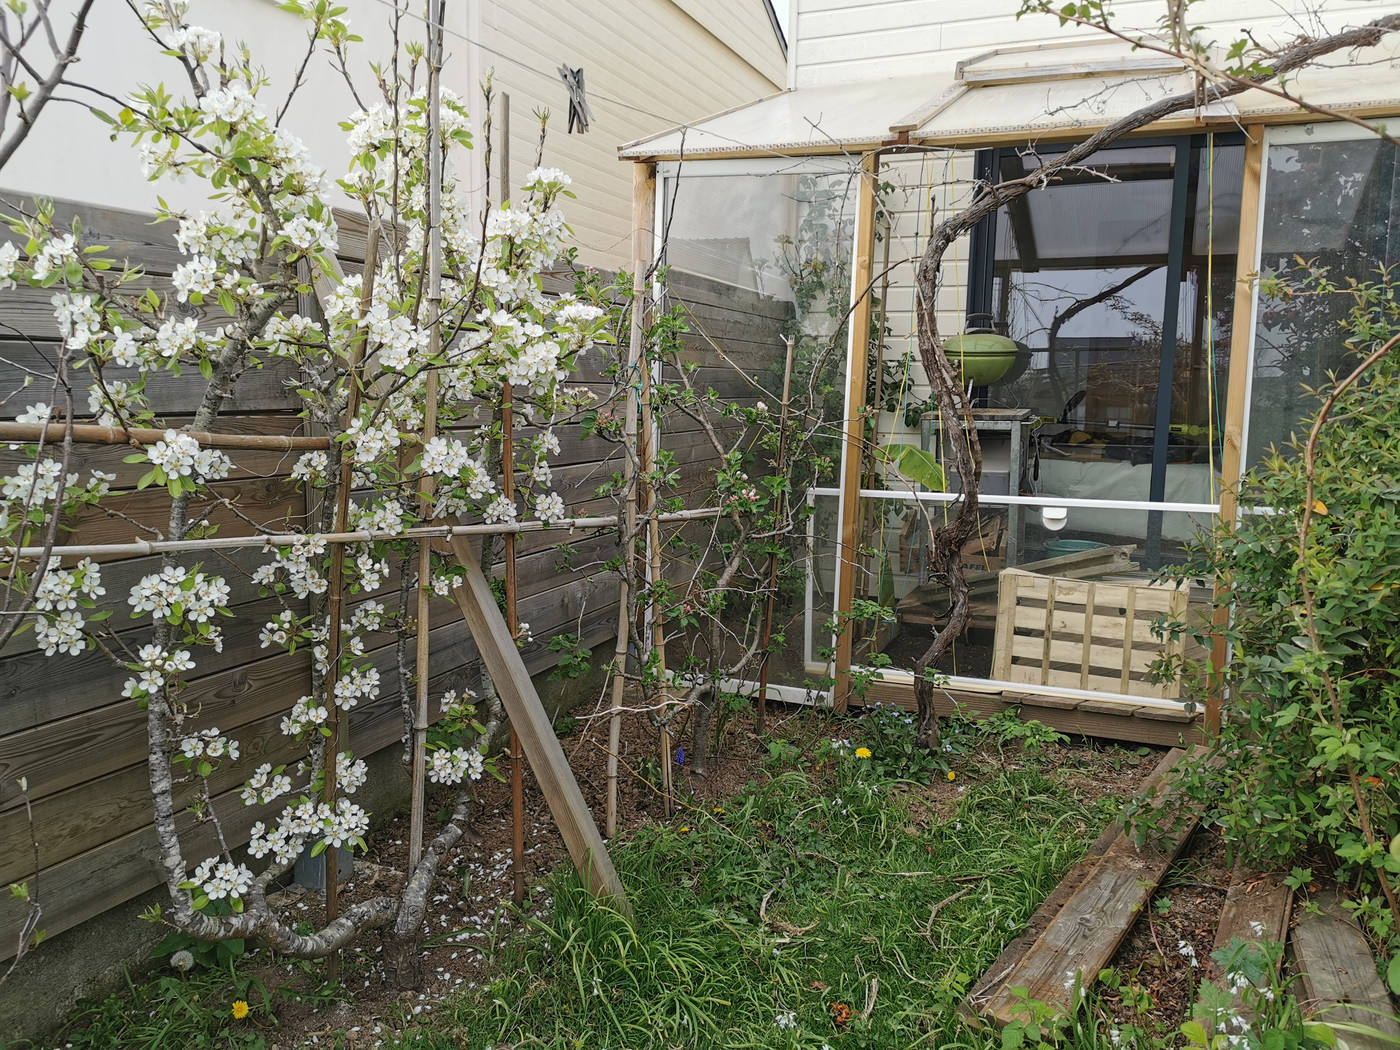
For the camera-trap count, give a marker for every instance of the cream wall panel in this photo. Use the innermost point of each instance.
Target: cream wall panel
(745, 28)
(646, 66)
(839, 41)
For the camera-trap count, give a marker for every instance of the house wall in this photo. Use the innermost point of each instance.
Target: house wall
(839, 41)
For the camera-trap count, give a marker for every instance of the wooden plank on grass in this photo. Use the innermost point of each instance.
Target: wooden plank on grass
(1256, 912)
(1081, 938)
(531, 722)
(1337, 974)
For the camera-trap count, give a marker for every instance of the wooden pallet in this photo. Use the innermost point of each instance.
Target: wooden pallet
(1082, 923)
(1085, 634)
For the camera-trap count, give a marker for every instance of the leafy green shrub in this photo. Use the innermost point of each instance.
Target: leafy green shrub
(1308, 756)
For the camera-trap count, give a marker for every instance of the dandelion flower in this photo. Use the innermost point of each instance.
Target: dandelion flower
(240, 1009)
(182, 960)
(952, 775)
(685, 828)
(862, 752)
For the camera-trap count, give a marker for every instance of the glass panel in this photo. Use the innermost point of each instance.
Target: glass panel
(1335, 204)
(755, 258)
(1101, 547)
(1080, 280)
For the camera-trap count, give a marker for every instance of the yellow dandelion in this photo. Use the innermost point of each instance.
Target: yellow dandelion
(685, 828)
(952, 775)
(240, 1009)
(862, 752)
(718, 809)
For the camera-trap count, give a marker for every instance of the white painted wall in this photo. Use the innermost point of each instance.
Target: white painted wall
(647, 63)
(838, 41)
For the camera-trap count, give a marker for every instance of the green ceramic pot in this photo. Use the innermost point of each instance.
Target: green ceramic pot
(984, 357)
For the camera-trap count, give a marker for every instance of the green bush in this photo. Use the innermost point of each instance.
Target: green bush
(1308, 758)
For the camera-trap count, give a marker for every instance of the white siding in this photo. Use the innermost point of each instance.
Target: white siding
(647, 65)
(837, 41)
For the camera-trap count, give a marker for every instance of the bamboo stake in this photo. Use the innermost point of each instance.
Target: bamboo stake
(432, 151)
(90, 434)
(646, 461)
(517, 753)
(762, 717)
(643, 203)
(336, 583)
(142, 548)
(425, 569)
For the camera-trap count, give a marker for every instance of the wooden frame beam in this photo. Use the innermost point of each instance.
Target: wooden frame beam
(1236, 391)
(853, 438)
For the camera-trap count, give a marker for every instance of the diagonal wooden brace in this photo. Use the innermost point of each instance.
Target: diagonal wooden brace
(527, 714)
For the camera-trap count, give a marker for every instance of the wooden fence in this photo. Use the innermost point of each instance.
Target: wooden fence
(81, 747)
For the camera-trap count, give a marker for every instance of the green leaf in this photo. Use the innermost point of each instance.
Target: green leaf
(917, 465)
(1392, 973)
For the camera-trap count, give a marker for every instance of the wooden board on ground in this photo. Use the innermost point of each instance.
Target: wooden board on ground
(1337, 974)
(498, 651)
(1256, 911)
(1122, 720)
(1081, 938)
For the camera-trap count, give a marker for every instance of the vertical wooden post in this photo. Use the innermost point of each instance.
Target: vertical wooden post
(643, 211)
(517, 756)
(424, 642)
(1241, 348)
(432, 297)
(852, 451)
(761, 719)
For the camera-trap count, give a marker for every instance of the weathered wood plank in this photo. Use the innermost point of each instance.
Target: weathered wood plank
(1337, 974)
(1080, 940)
(1256, 911)
(541, 746)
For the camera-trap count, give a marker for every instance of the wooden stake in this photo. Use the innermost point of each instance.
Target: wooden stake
(643, 209)
(858, 352)
(646, 461)
(88, 434)
(762, 716)
(425, 569)
(433, 299)
(517, 756)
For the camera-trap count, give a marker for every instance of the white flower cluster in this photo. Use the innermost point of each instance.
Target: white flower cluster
(177, 336)
(279, 631)
(362, 683)
(456, 765)
(227, 233)
(302, 564)
(368, 443)
(310, 234)
(119, 402)
(218, 879)
(9, 259)
(61, 589)
(550, 507)
(61, 634)
(41, 478)
(350, 772)
(180, 456)
(78, 322)
(56, 253)
(265, 785)
(195, 277)
(198, 595)
(153, 664)
(453, 704)
(306, 714)
(499, 509)
(199, 43)
(208, 743)
(400, 342)
(311, 467)
(385, 516)
(233, 103)
(371, 571)
(445, 456)
(368, 616)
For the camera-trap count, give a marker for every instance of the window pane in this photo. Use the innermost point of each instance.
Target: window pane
(1332, 203)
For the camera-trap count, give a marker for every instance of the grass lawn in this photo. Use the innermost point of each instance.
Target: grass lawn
(831, 904)
(847, 897)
